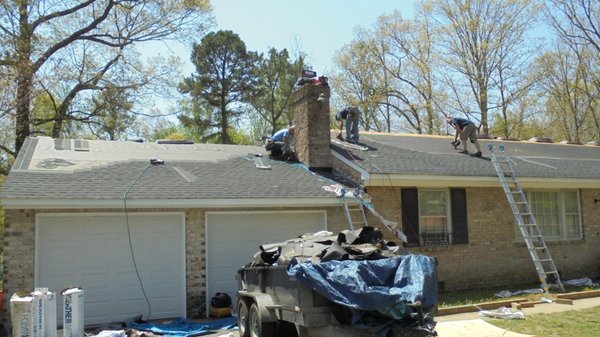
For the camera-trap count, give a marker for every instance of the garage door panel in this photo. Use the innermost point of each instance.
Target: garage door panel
(233, 238)
(93, 252)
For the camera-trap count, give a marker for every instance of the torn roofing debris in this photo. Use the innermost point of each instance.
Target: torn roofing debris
(376, 280)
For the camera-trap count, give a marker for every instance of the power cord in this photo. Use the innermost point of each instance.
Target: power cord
(137, 272)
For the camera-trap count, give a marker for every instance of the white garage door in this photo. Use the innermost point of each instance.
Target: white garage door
(93, 251)
(233, 238)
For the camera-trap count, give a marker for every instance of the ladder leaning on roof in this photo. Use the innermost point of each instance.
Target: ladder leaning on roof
(351, 212)
(544, 264)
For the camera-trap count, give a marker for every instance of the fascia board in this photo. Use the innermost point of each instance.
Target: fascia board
(399, 180)
(53, 203)
(364, 174)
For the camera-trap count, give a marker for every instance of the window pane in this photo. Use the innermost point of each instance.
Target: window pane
(433, 220)
(545, 208)
(571, 207)
(432, 203)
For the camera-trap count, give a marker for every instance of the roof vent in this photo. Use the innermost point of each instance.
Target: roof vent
(174, 141)
(541, 140)
(594, 143)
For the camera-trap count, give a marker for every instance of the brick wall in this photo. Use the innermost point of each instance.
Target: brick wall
(494, 255)
(312, 122)
(19, 248)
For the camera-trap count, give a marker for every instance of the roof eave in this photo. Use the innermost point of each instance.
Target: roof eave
(405, 180)
(53, 203)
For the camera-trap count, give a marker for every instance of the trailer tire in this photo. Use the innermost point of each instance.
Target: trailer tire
(257, 328)
(243, 318)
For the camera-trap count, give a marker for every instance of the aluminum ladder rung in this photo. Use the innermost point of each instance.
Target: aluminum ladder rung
(531, 225)
(350, 210)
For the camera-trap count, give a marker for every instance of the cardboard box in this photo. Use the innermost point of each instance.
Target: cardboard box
(73, 312)
(22, 309)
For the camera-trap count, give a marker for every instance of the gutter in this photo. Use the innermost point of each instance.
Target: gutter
(53, 203)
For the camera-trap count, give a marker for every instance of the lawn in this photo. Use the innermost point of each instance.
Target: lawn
(454, 298)
(580, 323)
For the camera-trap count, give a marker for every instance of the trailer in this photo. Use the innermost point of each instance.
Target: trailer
(268, 298)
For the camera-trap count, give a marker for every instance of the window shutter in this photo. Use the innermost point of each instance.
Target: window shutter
(460, 229)
(410, 216)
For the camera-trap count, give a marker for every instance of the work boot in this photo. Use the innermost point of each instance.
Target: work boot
(478, 154)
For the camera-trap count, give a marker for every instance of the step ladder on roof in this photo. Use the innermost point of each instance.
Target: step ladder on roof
(355, 214)
(544, 264)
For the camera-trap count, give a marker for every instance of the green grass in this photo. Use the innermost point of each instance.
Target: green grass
(465, 297)
(580, 323)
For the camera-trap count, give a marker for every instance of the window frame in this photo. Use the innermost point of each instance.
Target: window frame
(562, 214)
(448, 233)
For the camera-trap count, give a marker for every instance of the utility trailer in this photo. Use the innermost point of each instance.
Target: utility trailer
(269, 298)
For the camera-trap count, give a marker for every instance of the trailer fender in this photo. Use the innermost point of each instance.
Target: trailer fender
(265, 305)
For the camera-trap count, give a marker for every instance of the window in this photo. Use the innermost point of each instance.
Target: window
(433, 217)
(557, 213)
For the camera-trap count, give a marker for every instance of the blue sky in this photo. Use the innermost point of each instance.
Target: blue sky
(317, 27)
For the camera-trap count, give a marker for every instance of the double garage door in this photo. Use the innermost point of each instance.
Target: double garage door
(94, 251)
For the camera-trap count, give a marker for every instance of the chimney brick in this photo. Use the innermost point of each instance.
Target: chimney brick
(312, 122)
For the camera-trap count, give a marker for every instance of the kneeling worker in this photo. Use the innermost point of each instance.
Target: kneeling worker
(279, 144)
(466, 130)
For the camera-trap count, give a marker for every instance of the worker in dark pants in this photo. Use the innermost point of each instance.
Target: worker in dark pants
(466, 130)
(279, 144)
(351, 116)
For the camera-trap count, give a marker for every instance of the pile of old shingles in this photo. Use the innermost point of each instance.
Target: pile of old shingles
(366, 243)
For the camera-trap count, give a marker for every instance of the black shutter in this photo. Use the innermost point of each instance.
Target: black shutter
(410, 215)
(460, 229)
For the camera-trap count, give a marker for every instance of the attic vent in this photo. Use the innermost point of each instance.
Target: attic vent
(81, 145)
(541, 140)
(62, 144)
(174, 141)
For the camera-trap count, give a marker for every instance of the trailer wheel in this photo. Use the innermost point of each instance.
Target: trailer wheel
(257, 327)
(243, 322)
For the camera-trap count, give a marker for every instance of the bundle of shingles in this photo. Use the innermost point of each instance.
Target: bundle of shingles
(366, 243)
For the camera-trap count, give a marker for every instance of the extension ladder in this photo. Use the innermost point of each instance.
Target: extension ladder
(544, 264)
(355, 214)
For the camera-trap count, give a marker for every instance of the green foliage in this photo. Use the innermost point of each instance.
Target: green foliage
(226, 78)
(273, 104)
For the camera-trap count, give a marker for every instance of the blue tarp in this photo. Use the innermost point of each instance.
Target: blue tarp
(182, 327)
(371, 285)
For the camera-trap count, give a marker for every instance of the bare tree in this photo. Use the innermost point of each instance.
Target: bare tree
(578, 24)
(479, 35)
(40, 36)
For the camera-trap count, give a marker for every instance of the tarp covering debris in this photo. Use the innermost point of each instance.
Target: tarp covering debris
(372, 284)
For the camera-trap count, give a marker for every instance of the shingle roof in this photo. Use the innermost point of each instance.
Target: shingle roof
(434, 155)
(200, 171)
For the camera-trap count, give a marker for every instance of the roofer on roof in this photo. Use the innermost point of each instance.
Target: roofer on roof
(467, 130)
(279, 144)
(352, 116)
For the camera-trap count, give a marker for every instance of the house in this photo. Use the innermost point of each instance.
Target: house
(158, 229)
(452, 206)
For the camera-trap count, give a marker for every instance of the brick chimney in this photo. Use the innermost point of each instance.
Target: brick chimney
(311, 117)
